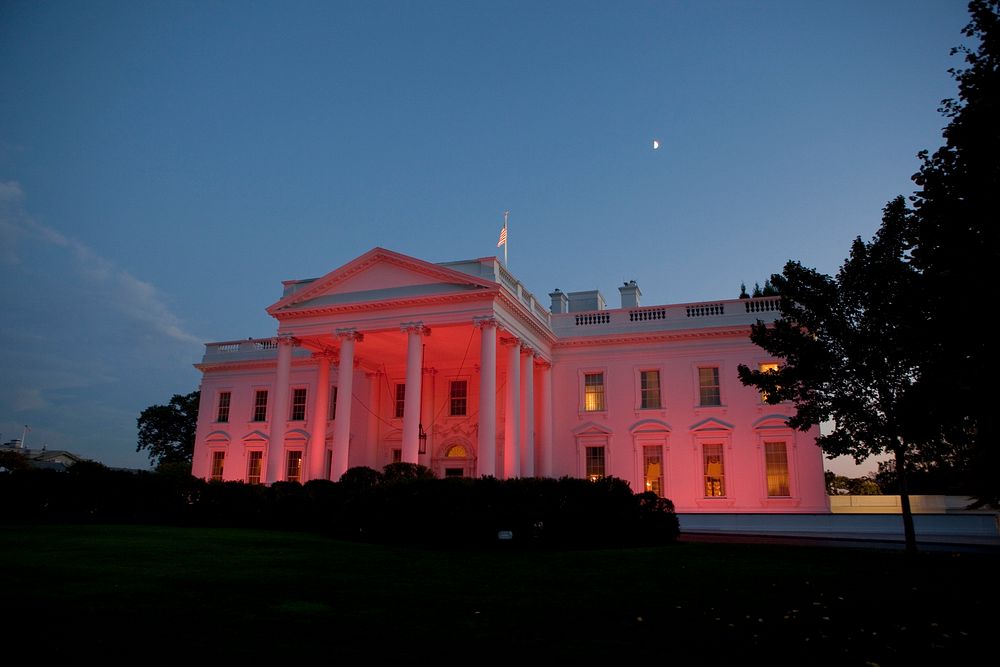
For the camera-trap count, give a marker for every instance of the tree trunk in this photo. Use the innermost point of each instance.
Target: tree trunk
(904, 499)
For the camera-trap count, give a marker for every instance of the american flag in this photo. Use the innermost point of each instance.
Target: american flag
(503, 236)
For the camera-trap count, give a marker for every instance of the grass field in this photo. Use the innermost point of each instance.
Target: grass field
(127, 594)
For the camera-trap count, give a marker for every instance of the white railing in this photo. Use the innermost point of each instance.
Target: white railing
(654, 318)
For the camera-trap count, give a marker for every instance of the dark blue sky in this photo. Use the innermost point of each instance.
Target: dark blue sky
(163, 166)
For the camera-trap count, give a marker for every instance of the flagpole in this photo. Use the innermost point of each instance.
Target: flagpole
(506, 238)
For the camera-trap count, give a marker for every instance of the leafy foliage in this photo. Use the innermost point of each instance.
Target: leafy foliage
(168, 431)
(959, 249)
(847, 348)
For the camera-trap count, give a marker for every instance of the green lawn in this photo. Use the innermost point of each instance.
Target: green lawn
(126, 594)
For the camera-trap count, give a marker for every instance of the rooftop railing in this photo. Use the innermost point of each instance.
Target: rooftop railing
(653, 318)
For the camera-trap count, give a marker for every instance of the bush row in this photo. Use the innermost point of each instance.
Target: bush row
(403, 504)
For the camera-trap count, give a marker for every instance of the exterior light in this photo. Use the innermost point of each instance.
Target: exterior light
(422, 435)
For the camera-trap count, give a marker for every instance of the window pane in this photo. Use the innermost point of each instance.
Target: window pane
(298, 405)
(260, 406)
(400, 399)
(218, 458)
(776, 457)
(223, 414)
(293, 471)
(715, 471)
(652, 465)
(650, 381)
(708, 385)
(595, 463)
(593, 392)
(253, 467)
(767, 368)
(459, 397)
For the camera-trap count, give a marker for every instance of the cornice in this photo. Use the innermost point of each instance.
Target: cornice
(252, 364)
(652, 337)
(526, 317)
(384, 304)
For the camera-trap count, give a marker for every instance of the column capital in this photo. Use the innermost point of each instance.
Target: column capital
(528, 350)
(325, 354)
(485, 321)
(510, 341)
(415, 327)
(542, 363)
(286, 339)
(349, 332)
(429, 370)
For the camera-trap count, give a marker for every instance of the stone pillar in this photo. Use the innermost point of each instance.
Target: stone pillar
(487, 455)
(374, 394)
(527, 412)
(317, 429)
(345, 391)
(279, 411)
(545, 417)
(415, 332)
(512, 411)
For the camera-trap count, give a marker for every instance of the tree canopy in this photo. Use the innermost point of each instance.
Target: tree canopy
(167, 431)
(846, 346)
(958, 249)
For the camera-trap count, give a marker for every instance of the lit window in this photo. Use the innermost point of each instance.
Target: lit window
(222, 415)
(652, 466)
(593, 392)
(459, 394)
(293, 469)
(595, 463)
(767, 368)
(708, 385)
(715, 471)
(776, 457)
(253, 467)
(260, 406)
(400, 400)
(456, 452)
(331, 413)
(218, 458)
(650, 389)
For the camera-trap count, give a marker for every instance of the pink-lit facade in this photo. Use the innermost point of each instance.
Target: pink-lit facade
(458, 367)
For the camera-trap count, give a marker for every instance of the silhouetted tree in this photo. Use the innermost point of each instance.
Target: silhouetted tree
(848, 353)
(167, 431)
(958, 250)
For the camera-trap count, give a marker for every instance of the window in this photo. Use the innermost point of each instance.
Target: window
(459, 394)
(649, 388)
(400, 400)
(593, 392)
(595, 463)
(715, 472)
(253, 466)
(397, 456)
(331, 412)
(298, 405)
(260, 406)
(293, 467)
(222, 414)
(652, 466)
(767, 368)
(708, 385)
(776, 458)
(218, 458)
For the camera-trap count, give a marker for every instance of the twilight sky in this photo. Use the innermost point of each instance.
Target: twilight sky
(163, 166)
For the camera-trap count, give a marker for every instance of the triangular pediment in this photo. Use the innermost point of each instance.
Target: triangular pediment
(711, 424)
(378, 275)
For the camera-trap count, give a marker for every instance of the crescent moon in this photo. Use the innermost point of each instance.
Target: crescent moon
(656, 144)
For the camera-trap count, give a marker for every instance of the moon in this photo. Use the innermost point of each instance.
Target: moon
(656, 144)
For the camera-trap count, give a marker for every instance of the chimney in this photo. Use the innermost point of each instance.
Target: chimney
(630, 294)
(560, 302)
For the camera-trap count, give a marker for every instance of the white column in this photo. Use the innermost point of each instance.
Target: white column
(279, 411)
(512, 411)
(345, 390)
(527, 412)
(317, 429)
(487, 455)
(374, 394)
(545, 418)
(415, 331)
